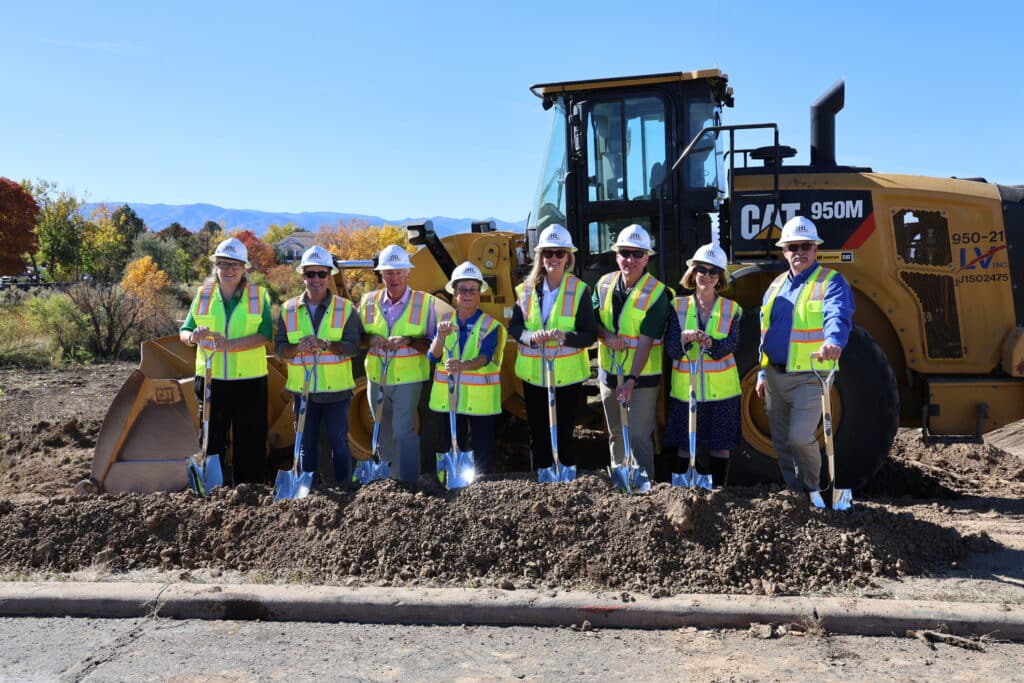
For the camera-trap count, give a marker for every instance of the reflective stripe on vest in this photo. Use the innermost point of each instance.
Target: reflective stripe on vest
(480, 390)
(807, 334)
(640, 299)
(408, 365)
(721, 378)
(208, 310)
(572, 365)
(333, 372)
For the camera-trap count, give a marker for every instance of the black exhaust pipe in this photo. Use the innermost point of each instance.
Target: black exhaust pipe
(823, 125)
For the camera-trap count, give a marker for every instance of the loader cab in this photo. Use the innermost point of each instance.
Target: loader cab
(608, 165)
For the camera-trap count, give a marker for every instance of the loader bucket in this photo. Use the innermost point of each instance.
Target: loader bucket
(148, 432)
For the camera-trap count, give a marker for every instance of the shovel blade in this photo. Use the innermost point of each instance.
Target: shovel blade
(556, 474)
(456, 470)
(816, 500)
(369, 471)
(292, 486)
(203, 477)
(630, 479)
(842, 499)
(691, 478)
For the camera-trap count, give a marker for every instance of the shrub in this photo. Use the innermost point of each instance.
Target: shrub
(55, 315)
(22, 341)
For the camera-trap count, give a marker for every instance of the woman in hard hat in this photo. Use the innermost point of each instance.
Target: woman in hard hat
(705, 323)
(469, 343)
(552, 314)
(230, 317)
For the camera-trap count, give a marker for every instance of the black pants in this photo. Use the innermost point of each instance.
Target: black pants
(567, 401)
(476, 433)
(238, 405)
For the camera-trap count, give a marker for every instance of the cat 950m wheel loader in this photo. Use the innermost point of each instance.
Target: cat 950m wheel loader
(936, 265)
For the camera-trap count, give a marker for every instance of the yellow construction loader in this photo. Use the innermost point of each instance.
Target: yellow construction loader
(935, 264)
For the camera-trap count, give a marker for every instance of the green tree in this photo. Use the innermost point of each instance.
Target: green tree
(18, 214)
(168, 256)
(275, 233)
(59, 229)
(129, 226)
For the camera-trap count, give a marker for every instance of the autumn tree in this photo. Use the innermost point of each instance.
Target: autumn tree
(261, 254)
(144, 278)
(18, 214)
(58, 229)
(129, 225)
(358, 240)
(275, 233)
(149, 286)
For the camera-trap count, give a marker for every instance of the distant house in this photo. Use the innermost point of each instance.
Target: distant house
(291, 247)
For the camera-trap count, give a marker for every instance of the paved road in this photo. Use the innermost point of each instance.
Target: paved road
(165, 650)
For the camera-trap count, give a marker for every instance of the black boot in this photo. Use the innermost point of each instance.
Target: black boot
(719, 471)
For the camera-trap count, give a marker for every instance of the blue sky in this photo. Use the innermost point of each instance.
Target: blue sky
(416, 109)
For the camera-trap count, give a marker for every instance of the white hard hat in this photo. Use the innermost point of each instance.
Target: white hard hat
(316, 256)
(633, 237)
(799, 229)
(232, 248)
(709, 253)
(393, 257)
(555, 237)
(466, 271)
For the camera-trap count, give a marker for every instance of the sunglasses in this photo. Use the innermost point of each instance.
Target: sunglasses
(632, 253)
(713, 272)
(228, 265)
(311, 274)
(469, 291)
(801, 246)
(553, 253)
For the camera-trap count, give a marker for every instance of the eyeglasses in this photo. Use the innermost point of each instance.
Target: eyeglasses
(632, 253)
(310, 274)
(228, 265)
(713, 272)
(553, 253)
(467, 290)
(800, 246)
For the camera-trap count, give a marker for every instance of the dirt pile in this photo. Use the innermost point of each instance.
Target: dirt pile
(46, 459)
(506, 533)
(916, 469)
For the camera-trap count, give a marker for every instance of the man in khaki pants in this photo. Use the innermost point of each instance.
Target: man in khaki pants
(808, 309)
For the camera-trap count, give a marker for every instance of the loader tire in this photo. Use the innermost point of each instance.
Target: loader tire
(865, 407)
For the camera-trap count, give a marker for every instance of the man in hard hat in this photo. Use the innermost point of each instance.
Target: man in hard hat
(807, 309)
(320, 332)
(230, 317)
(399, 323)
(632, 308)
(470, 344)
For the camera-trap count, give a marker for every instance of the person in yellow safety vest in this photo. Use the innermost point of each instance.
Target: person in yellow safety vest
(399, 323)
(553, 314)
(709, 324)
(231, 318)
(470, 344)
(632, 309)
(808, 309)
(318, 325)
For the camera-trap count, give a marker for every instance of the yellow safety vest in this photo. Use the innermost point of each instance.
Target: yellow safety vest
(572, 365)
(208, 310)
(333, 372)
(808, 332)
(407, 365)
(721, 378)
(640, 299)
(480, 390)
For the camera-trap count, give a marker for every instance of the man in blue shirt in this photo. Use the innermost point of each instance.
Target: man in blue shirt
(806, 310)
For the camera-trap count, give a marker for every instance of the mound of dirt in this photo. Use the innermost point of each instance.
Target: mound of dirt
(921, 470)
(46, 459)
(505, 532)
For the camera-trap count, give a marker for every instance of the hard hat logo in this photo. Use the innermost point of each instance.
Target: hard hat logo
(799, 228)
(466, 271)
(393, 257)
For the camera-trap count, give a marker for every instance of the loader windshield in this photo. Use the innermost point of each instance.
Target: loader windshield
(549, 207)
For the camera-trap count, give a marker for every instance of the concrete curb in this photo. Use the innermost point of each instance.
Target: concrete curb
(855, 616)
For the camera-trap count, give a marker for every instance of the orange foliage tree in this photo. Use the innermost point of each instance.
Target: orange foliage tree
(18, 214)
(356, 241)
(143, 278)
(261, 254)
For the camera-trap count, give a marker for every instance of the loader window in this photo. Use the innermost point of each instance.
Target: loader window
(922, 237)
(626, 149)
(549, 207)
(601, 236)
(704, 166)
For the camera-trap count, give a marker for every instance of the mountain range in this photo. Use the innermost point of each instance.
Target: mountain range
(194, 216)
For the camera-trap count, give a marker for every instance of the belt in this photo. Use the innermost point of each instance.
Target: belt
(779, 367)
